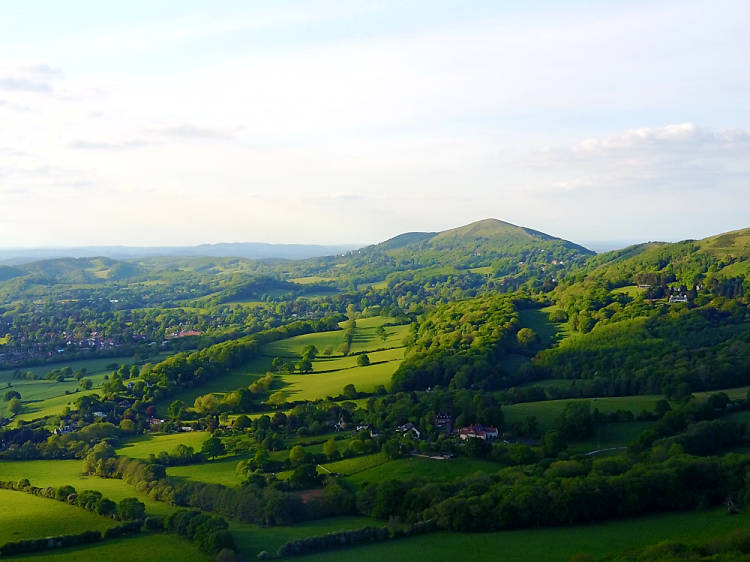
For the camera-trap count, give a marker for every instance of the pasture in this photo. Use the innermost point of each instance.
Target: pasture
(547, 411)
(147, 546)
(413, 467)
(61, 472)
(44, 397)
(24, 516)
(364, 339)
(241, 377)
(551, 544)
(53, 406)
(141, 446)
(314, 386)
(214, 472)
(251, 539)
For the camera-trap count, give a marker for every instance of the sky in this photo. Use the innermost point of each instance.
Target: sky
(187, 122)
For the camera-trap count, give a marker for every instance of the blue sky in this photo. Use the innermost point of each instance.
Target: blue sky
(190, 122)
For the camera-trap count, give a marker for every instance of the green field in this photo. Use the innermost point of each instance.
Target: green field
(251, 539)
(53, 406)
(608, 435)
(413, 467)
(133, 549)
(630, 290)
(556, 544)
(24, 516)
(310, 280)
(62, 472)
(93, 366)
(44, 398)
(240, 377)
(546, 412)
(364, 339)
(354, 465)
(314, 386)
(326, 364)
(215, 472)
(142, 446)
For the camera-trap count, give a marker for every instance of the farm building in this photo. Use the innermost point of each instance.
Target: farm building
(478, 431)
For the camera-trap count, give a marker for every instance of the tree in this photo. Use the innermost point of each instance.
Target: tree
(350, 391)
(176, 409)
(127, 426)
(553, 443)
(392, 448)
(131, 508)
(381, 333)
(242, 422)
(576, 421)
(106, 507)
(526, 337)
(297, 455)
(309, 352)
(304, 366)
(207, 404)
(304, 476)
(86, 384)
(363, 360)
(11, 394)
(15, 406)
(213, 447)
(330, 449)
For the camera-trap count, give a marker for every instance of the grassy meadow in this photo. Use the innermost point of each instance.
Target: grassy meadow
(214, 472)
(147, 546)
(556, 544)
(24, 516)
(251, 539)
(141, 446)
(47, 398)
(61, 472)
(547, 411)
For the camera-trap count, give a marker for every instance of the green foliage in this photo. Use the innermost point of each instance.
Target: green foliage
(458, 344)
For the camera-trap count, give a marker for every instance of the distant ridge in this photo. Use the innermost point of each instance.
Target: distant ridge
(250, 250)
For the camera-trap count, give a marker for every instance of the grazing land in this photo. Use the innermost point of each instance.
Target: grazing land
(132, 549)
(25, 516)
(142, 446)
(548, 545)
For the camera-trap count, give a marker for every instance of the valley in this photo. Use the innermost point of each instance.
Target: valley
(276, 402)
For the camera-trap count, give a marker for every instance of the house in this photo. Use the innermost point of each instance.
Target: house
(64, 429)
(156, 421)
(409, 428)
(99, 415)
(678, 298)
(341, 425)
(478, 431)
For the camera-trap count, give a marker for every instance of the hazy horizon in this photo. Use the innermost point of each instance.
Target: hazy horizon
(187, 123)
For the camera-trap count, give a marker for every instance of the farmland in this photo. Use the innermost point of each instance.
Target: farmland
(141, 447)
(132, 549)
(25, 516)
(547, 545)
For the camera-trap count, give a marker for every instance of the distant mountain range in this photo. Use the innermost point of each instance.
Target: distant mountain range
(250, 250)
